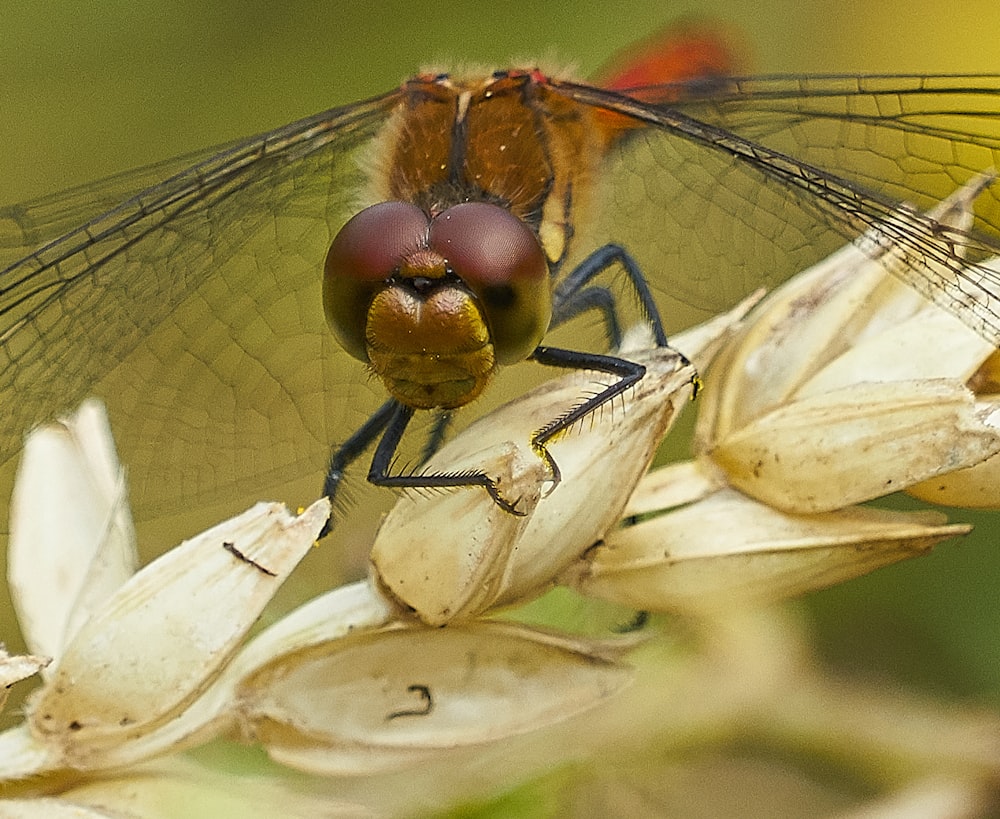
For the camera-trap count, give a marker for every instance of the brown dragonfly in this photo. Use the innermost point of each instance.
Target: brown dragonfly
(260, 316)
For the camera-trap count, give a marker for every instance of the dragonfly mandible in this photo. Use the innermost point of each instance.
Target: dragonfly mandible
(188, 294)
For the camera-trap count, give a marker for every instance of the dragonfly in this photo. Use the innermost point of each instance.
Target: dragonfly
(195, 296)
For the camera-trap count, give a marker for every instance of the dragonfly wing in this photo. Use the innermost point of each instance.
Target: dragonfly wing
(719, 196)
(193, 309)
(911, 138)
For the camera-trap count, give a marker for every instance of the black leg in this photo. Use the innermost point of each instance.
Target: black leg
(382, 461)
(347, 452)
(571, 297)
(439, 429)
(596, 298)
(629, 373)
(575, 284)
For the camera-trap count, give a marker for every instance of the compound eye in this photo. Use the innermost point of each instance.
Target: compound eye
(364, 254)
(501, 260)
(487, 245)
(372, 243)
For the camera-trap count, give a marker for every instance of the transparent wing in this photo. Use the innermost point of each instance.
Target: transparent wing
(193, 308)
(720, 195)
(27, 226)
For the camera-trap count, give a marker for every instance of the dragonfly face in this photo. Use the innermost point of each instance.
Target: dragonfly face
(189, 296)
(434, 303)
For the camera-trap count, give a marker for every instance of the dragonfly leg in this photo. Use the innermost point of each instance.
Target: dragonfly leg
(629, 373)
(390, 421)
(346, 453)
(574, 295)
(593, 297)
(386, 449)
(570, 292)
(436, 436)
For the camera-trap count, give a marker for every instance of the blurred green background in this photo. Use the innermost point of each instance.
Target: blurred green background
(92, 88)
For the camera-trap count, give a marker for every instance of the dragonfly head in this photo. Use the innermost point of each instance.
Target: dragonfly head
(434, 305)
